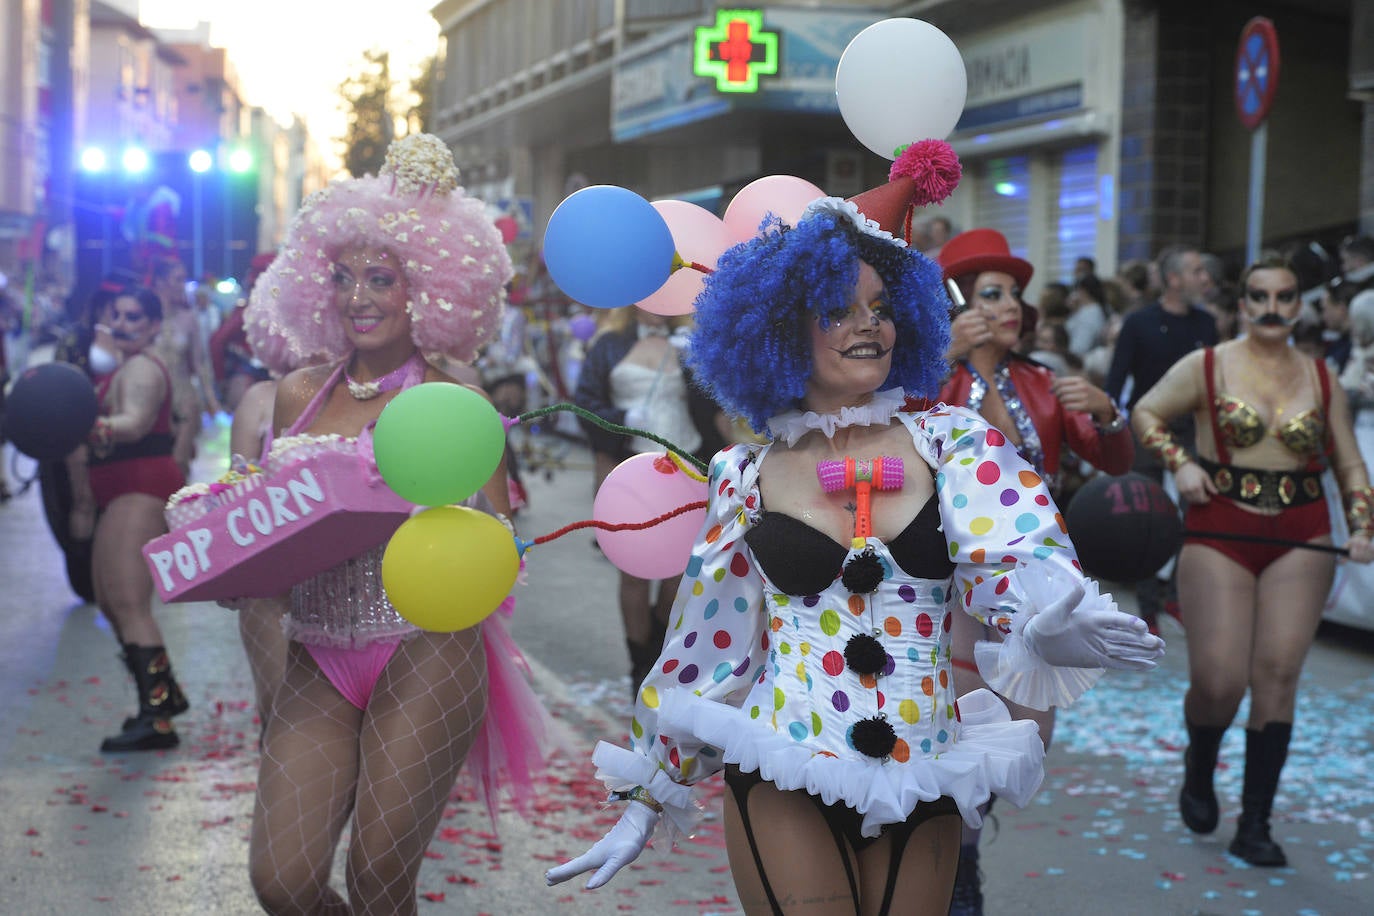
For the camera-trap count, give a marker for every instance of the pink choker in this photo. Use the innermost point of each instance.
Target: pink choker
(396, 378)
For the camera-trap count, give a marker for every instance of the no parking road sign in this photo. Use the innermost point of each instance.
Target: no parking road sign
(1257, 71)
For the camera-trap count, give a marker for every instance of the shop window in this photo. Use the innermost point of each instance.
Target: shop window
(1074, 213)
(1003, 200)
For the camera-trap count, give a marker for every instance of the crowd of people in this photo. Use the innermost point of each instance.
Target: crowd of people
(895, 664)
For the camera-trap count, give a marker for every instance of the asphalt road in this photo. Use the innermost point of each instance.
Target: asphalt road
(167, 833)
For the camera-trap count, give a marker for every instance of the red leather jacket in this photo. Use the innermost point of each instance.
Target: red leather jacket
(1111, 453)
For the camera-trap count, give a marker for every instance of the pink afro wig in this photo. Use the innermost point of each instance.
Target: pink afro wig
(456, 264)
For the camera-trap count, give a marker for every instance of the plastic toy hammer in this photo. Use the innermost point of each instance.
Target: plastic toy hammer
(863, 475)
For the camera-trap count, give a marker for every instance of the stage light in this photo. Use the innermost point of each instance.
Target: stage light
(93, 159)
(200, 161)
(135, 160)
(240, 160)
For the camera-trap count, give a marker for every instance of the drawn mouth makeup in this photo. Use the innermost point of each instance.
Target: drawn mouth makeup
(864, 351)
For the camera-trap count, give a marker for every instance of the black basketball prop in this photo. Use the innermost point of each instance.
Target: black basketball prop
(1125, 528)
(50, 410)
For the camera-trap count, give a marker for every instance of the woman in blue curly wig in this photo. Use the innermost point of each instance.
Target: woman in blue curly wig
(808, 649)
(757, 361)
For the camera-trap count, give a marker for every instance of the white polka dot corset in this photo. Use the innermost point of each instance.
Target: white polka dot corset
(818, 686)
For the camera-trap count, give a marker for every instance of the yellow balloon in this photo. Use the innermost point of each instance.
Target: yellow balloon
(447, 568)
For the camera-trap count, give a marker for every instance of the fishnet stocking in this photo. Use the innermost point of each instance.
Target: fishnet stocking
(264, 643)
(390, 767)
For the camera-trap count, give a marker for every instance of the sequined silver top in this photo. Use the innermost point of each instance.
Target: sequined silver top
(1030, 448)
(345, 606)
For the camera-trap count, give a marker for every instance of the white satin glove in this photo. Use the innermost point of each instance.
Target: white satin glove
(637, 418)
(1069, 635)
(621, 845)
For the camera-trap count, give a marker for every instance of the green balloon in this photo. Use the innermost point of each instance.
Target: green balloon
(436, 444)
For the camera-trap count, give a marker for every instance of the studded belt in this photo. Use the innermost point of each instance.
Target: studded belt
(1264, 489)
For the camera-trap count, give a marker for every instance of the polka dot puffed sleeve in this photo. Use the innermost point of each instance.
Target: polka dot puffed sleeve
(716, 648)
(1010, 547)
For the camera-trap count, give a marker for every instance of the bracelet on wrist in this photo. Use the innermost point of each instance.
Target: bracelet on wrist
(639, 794)
(1113, 426)
(1359, 510)
(1161, 442)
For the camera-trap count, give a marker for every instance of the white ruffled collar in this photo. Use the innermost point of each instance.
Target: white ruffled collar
(792, 425)
(849, 211)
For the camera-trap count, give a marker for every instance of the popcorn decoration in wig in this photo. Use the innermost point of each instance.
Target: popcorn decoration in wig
(455, 261)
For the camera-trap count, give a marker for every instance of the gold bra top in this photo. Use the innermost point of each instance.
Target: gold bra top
(1241, 427)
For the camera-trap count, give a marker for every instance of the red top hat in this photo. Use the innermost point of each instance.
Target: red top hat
(980, 250)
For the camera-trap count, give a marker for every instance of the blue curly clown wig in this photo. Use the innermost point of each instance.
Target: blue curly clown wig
(751, 349)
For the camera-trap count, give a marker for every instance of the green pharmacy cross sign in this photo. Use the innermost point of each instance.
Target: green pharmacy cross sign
(736, 50)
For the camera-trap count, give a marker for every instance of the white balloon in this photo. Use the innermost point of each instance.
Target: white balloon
(900, 81)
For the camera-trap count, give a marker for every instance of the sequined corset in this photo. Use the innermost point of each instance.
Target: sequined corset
(1242, 427)
(345, 606)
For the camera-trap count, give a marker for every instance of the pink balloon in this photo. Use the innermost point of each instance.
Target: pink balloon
(699, 236)
(641, 488)
(783, 196)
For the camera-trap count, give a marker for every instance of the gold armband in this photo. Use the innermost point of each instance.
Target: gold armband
(1161, 442)
(639, 794)
(1359, 510)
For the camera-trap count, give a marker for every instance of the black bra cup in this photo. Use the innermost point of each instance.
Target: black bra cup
(803, 561)
(921, 548)
(799, 559)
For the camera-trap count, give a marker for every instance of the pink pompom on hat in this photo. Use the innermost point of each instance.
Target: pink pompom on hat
(455, 261)
(924, 173)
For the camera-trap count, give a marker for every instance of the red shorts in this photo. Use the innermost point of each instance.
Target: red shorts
(1225, 516)
(156, 475)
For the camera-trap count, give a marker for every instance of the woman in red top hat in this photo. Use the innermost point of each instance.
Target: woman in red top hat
(1039, 413)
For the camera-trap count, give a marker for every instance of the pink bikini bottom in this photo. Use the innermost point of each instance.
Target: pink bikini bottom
(354, 672)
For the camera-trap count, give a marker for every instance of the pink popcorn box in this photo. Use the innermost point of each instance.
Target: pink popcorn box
(258, 540)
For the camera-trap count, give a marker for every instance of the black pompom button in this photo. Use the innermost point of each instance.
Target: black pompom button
(863, 574)
(874, 737)
(864, 654)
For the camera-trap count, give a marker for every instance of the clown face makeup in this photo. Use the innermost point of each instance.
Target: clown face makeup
(852, 347)
(371, 295)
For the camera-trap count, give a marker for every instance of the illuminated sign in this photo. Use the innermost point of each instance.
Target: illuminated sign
(736, 50)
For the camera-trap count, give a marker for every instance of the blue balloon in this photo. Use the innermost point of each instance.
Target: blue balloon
(605, 246)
